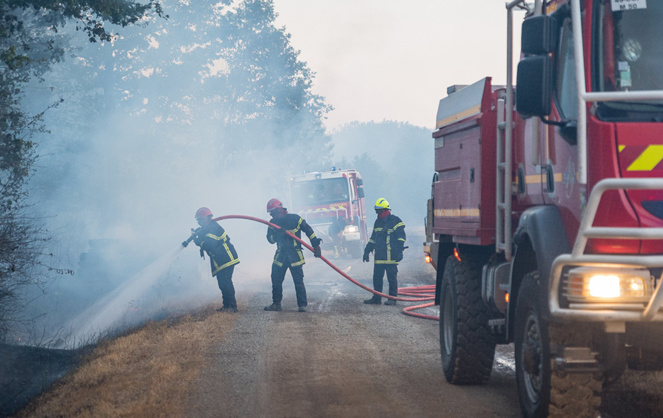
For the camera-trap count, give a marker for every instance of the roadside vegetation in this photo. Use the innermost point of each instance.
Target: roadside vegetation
(146, 373)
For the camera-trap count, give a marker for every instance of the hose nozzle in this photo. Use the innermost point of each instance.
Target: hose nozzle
(188, 240)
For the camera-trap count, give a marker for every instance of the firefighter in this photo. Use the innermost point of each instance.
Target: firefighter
(288, 253)
(213, 240)
(336, 233)
(388, 241)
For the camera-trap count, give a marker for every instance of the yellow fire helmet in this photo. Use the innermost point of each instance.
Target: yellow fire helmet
(381, 203)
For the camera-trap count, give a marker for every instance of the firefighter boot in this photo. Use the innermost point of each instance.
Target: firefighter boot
(390, 302)
(373, 301)
(273, 307)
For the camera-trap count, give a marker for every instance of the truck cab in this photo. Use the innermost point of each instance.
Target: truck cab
(333, 203)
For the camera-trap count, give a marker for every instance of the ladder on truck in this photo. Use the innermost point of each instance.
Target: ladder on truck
(503, 177)
(504, 138)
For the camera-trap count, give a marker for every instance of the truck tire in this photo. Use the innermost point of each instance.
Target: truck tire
(542, 391)
(466, 344)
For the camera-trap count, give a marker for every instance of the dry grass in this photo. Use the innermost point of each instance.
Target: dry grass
(147, 373)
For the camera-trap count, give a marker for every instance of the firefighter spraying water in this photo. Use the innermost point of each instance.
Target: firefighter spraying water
(215, 242)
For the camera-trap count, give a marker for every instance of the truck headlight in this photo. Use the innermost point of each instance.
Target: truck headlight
(351, 229)
(593, 284)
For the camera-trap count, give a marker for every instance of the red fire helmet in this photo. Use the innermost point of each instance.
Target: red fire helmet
(203, 212)
(274, 204)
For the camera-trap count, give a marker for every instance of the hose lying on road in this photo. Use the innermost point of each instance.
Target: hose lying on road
(419, 293)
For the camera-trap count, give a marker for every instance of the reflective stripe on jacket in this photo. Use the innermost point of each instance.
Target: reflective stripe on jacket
(387, 239)
(289, 251)
(214, 240)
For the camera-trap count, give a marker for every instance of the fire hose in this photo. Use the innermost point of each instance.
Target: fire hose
(416, 293)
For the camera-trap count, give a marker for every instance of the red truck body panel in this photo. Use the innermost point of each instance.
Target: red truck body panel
(464, 195)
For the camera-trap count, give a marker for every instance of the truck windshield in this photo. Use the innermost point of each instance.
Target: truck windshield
(629, 54)
(320, 192)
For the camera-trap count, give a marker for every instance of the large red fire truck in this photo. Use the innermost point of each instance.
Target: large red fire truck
(545, 223)
(333, 203)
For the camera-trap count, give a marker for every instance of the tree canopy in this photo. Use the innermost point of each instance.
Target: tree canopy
(163, 115)
(30, 43)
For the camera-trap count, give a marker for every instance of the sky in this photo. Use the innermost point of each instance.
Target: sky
(393, 60)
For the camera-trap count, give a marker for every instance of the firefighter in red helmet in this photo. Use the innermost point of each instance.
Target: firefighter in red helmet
(213, 240)
(288, 253)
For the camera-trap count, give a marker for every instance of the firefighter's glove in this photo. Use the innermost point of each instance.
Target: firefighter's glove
(317, 252)
(185, 243)
(366, 257)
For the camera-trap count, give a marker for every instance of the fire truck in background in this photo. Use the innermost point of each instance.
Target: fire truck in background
(332, 202)
(545, 223)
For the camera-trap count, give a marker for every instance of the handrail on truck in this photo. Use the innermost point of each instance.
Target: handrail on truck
(616, 312)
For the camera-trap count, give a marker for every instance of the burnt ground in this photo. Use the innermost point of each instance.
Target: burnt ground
(27, 371)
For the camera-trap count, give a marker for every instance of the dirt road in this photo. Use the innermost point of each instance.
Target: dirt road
(342, 357)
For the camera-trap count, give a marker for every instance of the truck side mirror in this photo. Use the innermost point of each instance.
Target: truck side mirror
(538, 35)
(534, 83)
(360, 192)
(534, 86)
(360, 182)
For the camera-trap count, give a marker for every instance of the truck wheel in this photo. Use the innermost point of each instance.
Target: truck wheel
(466, 343)
(543, 392)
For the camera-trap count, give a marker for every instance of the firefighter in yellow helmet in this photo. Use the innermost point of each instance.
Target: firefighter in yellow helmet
(213, 240)
(388, 241)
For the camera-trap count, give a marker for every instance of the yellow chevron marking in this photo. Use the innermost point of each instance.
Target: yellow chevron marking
(649, 158)
(621, 148)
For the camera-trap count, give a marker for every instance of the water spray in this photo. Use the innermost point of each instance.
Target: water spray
(418, 293)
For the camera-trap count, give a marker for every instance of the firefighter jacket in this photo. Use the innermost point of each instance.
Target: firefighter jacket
(387, 239)
(289, 251)
(214, 240)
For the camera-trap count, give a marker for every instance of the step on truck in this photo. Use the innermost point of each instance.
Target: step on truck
(333, 203)
(545, 222)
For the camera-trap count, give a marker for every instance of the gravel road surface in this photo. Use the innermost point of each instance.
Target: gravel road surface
(341, 357)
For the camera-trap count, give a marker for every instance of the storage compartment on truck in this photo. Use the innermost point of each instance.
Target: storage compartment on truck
(464, 192)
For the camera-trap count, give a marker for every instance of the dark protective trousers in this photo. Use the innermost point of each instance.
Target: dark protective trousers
(278, 275)
(225, 279)
(392, 278)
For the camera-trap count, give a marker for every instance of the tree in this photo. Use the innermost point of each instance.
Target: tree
(211, 104)
(214, 91)
(29, 45)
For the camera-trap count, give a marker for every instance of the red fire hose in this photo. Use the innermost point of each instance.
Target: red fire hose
(419, 293)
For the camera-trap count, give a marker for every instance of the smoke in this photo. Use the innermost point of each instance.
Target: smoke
(132, 154)
(396, 161)
(130, 207)
(149, 132)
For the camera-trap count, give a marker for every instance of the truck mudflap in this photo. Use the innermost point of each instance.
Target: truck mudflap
(606, 287)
